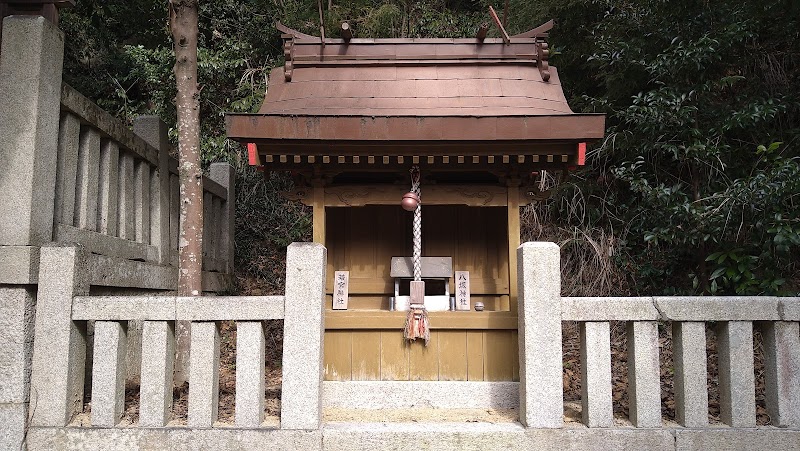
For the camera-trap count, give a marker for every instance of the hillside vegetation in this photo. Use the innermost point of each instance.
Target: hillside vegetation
(695, 188)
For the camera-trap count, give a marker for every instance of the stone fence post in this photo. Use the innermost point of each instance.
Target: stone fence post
(59, 347)
(31, 63)
(155, 132)
(223, 174)
(541, 403)
(303, 330)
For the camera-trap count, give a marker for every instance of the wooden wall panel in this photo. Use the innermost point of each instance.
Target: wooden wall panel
(439, 226)
(424, 360)
(475, 355)
(471, 243)
(394, 356)
(363, 240)
(452, 355)
(366, 355)
(392, 225)
(498, 356)
(361, 243)
(335, 242)
(337, 355)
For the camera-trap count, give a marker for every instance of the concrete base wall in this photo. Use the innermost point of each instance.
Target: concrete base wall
(418, 436)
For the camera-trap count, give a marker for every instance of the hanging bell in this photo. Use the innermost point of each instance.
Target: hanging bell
(410, 201)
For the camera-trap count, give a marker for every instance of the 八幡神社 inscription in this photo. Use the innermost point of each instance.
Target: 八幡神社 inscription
(462, 290)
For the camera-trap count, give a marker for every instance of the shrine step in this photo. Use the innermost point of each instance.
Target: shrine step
(333, 415)
(372, 395)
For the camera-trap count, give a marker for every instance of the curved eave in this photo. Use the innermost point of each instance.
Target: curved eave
(366, 133)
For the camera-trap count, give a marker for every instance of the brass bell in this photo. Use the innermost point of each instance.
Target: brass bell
(410, 201)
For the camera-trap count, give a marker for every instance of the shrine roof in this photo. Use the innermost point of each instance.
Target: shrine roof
(423, 92)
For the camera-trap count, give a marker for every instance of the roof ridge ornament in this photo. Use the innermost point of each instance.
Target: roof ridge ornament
(542, 57)
(542, 31)
(500, 26)
(288, 56)
(292, 32)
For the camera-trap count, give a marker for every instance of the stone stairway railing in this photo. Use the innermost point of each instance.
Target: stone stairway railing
(73, 173)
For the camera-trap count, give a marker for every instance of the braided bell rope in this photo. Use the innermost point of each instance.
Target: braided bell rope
(417, 224)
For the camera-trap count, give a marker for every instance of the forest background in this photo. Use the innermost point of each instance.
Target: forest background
(694, 190)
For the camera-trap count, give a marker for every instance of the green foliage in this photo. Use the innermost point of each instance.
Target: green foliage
(265, 224)
(691, 92)
(694, 190)
(119, 54)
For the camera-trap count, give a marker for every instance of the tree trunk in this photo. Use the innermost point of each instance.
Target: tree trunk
(183, 18)
(183, 23)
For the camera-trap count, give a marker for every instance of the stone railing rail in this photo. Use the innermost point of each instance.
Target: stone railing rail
(125, 191)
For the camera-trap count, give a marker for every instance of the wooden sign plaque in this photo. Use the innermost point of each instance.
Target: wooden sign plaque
(341, 289)
(462, 290)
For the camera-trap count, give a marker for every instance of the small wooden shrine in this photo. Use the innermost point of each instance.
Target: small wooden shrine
(486, 124)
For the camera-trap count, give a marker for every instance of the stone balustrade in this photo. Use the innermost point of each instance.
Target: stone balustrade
(75, 174)
(117, 190)
(60, 347)
(734, 319)
(65, 309)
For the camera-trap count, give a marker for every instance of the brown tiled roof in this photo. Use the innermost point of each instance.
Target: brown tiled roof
(417, 91)
(431, 93)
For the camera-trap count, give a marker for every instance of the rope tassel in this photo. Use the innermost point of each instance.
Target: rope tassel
(417, 325)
